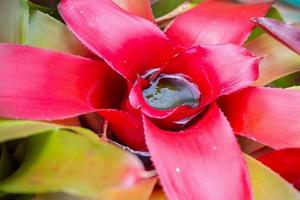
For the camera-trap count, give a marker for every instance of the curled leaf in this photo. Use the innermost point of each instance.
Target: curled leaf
(61, 161)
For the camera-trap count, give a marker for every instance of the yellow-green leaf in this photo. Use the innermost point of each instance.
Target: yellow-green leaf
(47, 32)
(14, 15)
(62, 161)
(16, 129)
(267, 185)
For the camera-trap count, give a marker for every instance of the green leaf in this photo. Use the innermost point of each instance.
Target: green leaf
(287, 81)
(266, 184)
(272, 13)
(278, 60)
(47, 32)
(163, 7)
(14, 15)
(11, 130)
(34, 7)
(15, 129)
(62, 161)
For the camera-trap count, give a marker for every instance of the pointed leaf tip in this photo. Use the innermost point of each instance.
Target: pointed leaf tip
(286, 34)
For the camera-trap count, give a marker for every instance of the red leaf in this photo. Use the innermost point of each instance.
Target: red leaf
(201, 162)
(217, 70)
(45, 85)
(215, 22)
(130, 44)
(267, 115)
(127, 127)
(285, 162)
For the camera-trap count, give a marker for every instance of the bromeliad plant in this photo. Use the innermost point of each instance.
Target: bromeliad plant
(181, 95)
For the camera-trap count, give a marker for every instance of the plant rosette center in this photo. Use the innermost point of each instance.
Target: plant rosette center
(166, 91)
(171, 100)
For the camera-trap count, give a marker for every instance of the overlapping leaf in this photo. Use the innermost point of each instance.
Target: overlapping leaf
(278, 60)
(59, 160)
(266, 184)
(46, 32)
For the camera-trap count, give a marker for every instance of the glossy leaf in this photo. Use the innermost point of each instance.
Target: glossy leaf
(47, 32)
(14, 15)
(287, 34)
(61, 161)
(266, 184)
(272, 13)
(277, 61)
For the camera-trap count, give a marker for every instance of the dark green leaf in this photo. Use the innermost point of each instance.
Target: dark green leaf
(163, 7)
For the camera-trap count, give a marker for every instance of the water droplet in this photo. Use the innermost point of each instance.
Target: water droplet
(177, 169)
(167, 91)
